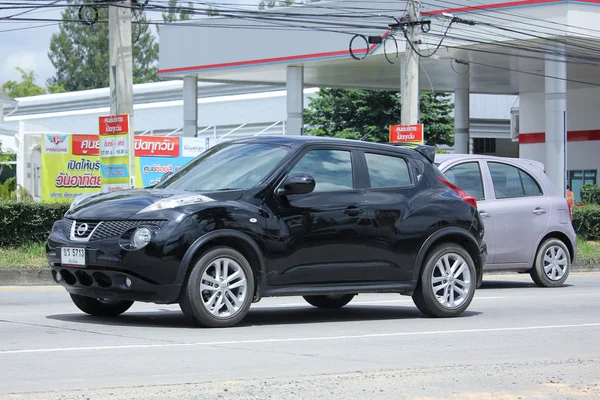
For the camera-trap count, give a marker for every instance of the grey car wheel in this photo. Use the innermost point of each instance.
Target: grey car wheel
(552, 264)
(220, 288)
(447, 283)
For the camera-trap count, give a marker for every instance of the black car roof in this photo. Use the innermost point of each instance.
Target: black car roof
(296, 140)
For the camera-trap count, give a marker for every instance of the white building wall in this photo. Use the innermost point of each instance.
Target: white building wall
(583, 114)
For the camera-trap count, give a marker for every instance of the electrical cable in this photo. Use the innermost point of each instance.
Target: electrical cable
(522, 72)
(366, 48)
(385, 53)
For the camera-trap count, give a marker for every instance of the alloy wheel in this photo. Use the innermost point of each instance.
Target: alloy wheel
(451, 280)
(223, 287)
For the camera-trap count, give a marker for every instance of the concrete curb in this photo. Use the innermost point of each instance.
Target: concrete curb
(25, 277)
(43, 277)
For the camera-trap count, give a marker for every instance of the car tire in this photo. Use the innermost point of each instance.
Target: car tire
(220, 288)
(438, 264)
(101, 308)
(335, 301)
(552, 264)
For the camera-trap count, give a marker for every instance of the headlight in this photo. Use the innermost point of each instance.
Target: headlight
(140, 238)
(175, 201)
(77, 200)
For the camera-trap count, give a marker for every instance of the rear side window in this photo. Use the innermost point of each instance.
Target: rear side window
(510, 182)
(387, 171)
(467, 176)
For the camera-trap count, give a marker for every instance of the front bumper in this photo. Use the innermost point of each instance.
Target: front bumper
(102, 283)
(151, 274)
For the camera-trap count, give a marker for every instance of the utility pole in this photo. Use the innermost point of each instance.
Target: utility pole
(120, 58)
(410, 89)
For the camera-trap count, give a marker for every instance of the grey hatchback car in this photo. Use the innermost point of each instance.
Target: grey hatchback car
(527, 221)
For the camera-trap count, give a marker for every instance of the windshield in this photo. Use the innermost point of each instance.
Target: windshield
(227, 166)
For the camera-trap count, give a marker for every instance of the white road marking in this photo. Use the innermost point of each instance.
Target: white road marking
(300, 339)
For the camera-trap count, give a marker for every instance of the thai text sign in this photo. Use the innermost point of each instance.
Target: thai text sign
(71, 164)
(114, 152)
(407, 133)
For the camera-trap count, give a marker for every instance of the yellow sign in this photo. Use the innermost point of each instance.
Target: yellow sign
(65, 175)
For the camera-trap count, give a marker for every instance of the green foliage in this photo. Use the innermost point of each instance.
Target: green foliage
(354, 113)
(586, 221)
(79, 52)
(27, 86)
(5, 156)
(9, 190)
(282, 3)
(176, 13)
(590, 194)
(24, 222)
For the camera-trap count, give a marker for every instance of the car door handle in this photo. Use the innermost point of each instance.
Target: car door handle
(484, 214)
(353, 211)
(539, 211)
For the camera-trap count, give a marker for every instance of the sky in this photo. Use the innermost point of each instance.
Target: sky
(28, 48)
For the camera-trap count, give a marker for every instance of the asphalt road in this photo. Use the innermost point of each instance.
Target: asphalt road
(515, 341)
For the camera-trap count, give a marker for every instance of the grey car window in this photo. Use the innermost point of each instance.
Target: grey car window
(387, 171)
(510, 181)
(331, 169)
(467, 176)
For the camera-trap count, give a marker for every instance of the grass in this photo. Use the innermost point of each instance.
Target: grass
(31, 256)
(588, 253)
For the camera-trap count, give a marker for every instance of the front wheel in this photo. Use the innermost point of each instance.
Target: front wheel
(220, 288)
(552, 264)
(336, 301)
(101, 307)
(447, 283)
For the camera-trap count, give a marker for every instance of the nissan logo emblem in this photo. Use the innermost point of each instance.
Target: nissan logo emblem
(82, 229)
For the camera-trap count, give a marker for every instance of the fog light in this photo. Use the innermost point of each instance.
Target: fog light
(58, 277)
(140, 238)
(127, 282)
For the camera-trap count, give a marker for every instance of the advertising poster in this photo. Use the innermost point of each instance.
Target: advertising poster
(114, 152)
(71, 164)
(407, 134)
(68, 167)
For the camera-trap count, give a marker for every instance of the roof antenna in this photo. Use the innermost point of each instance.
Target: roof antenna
(367, 134)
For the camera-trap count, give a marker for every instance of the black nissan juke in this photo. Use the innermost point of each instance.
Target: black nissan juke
(316, 217)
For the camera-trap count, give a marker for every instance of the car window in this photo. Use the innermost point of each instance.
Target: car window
(227, 166)
(331, 169)
(467, 176)
(387, 171)
(510, 181)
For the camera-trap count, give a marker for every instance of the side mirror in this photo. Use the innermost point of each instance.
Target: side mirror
(297, 184)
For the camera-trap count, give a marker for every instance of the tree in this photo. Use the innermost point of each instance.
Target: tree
(282, 3)
(368, 114)
(27, 86)
(80, 52)
(176, 13)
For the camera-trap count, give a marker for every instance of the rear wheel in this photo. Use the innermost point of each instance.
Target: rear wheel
(220, 288)
(101, 307)
(447, 283)
(552, 264)
(334, 301)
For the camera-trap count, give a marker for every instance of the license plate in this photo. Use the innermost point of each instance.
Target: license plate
(72, 256)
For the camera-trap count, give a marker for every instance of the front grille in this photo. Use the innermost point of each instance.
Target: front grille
(105, 229)
(67, 224)
(83, 229)
(110, 229)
